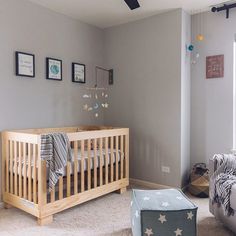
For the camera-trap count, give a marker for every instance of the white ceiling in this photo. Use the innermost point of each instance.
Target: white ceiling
(106, 13)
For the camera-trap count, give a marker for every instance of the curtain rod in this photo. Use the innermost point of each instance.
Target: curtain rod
(225, 7)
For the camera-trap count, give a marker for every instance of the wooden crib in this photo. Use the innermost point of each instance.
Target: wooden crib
(100, 165)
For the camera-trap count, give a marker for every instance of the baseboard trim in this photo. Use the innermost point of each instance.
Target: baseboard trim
(148, 184)
(1, 205)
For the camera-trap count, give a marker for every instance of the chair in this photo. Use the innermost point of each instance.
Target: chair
(217, 211)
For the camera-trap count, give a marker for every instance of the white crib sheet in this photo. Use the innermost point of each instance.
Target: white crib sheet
(103, 161)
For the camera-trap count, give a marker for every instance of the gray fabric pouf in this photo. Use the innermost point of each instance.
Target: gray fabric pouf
(165, 212)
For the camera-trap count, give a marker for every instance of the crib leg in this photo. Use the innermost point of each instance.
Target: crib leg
(122, 190)
(7, 206)
(45, 220)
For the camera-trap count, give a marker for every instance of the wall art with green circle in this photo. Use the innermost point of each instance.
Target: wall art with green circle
(54, 68)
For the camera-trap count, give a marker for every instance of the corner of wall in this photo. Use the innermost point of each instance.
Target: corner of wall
(185, 98)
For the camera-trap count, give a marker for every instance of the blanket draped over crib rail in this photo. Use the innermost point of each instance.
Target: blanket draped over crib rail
(56, 151)
(222, 181)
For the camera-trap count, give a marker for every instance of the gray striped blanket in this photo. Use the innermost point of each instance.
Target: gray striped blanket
(222, 181)
(55, 149)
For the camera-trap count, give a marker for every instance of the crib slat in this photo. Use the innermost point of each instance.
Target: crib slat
(11, 167)
(100, 162)
(42, 176)
(117, 153)
(127, 156)
(106, 160)
(60, 188)
(20, 169)
(52, 195)
(34, 174)
(7, 166)
(75, 167)
(82, 166)
(29, 173)
(42, 181)
(89, 164)
(15, 169)
(121, 156)
(112, 158)
(68, 170)
(24, 171)
(95, 162)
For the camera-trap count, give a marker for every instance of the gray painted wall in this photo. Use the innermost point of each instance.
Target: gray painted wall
(212, 99)
(26, 102)
(146, 57)
(151, 81)
(185, 99)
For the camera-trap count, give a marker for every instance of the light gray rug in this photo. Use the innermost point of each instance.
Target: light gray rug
(108, 215)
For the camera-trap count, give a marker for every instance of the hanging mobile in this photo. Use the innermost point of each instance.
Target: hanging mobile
(190, 47)
(200, 36)
(98, 93)
(85, 107)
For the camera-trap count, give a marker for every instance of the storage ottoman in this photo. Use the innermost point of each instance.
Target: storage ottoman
(165, 212)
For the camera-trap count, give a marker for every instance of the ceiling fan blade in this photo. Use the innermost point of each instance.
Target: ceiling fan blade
(132, 4)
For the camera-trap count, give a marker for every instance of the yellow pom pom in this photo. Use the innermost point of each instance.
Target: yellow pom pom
(200, 37)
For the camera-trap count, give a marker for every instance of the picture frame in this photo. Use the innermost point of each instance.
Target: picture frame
(25, 64)
(53, 69)
(78, 73)
(215, 66)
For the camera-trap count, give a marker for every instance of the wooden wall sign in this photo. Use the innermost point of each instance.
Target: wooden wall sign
(215, 66)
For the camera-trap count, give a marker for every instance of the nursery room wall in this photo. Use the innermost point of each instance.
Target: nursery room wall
(37, 102)
(150, 93)
(149, 70)
(212, 99)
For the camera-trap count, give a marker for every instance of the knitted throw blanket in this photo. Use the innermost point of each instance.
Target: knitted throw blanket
(55, 149)
(222, 181)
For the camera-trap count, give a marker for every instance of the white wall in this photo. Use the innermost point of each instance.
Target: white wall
(212, 99)
(146, 57)
(27, 102)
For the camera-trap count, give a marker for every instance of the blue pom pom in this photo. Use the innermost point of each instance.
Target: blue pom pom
(190, 47)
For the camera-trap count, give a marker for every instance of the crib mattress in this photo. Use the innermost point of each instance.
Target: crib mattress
(86, 165)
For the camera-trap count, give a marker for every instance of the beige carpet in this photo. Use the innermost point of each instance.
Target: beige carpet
(108, 215)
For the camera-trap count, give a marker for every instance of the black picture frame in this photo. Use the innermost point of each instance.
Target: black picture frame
(49, 74)
(74, 72)
(19, 63)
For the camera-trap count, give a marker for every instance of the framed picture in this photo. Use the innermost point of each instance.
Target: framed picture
(54, 68)
(25, 64)
(78, 73)
(215, 66)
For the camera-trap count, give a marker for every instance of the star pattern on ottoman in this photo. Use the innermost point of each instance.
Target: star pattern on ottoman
(146, 198)
(165, 204)
(162, 218)
(162, 213)
(178, 232)
(179, 198)
(190, 215)
(148, 232)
